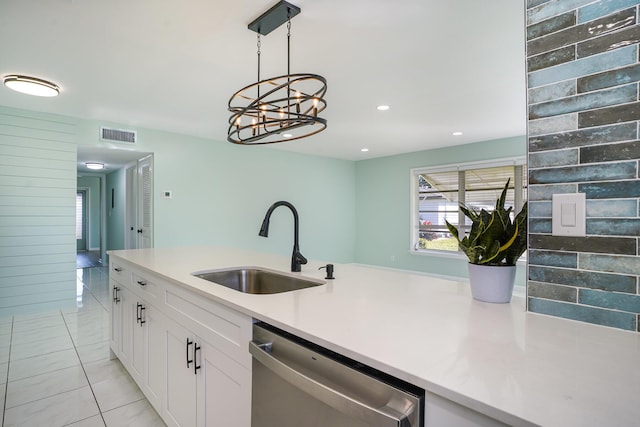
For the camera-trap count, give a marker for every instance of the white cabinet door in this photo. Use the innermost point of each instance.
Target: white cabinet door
(147, 355)
(128, 320)
(224, 389)
(155, 355)
(138, 340)
(116, 317)
(180, 402)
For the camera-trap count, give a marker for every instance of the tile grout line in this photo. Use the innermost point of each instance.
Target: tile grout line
(83, 369)
(6, 384)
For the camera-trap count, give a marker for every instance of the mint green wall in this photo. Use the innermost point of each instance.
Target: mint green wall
(93, 202)
(349, 211)
(37, 212)
(222, 191)
(383, 200)
(115, 215)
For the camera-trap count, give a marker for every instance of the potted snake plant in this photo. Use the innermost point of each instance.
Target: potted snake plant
(493, 246)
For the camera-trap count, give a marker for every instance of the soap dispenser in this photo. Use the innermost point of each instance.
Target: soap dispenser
(329, 268)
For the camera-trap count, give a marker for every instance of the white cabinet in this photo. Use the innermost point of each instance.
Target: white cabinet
(153, 385)
(137, 337)
(180, 408)
(116, 317)
(145, 362)
(117, 281)
(205, 387)
(224, 389)
(127, 321)
(188, 355)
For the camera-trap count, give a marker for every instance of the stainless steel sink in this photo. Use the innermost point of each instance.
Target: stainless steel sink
(251, 280)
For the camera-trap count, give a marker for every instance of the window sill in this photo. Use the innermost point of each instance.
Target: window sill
(522, 261)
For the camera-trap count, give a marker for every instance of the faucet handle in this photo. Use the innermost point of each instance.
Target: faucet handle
(300, 258)
(329, 268)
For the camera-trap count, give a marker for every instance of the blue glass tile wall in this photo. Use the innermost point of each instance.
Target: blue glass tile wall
(583, 75)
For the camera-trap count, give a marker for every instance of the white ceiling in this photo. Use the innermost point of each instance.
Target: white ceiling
(442, 66)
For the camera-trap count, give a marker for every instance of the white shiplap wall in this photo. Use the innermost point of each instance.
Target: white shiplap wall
(37, 211)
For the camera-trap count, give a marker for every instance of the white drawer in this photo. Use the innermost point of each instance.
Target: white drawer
(120, 272)
(147, 287)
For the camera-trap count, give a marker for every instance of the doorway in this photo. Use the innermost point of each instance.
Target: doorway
(88, 218)
(125, 186)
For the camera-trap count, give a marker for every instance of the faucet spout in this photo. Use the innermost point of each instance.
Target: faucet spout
(297, 259)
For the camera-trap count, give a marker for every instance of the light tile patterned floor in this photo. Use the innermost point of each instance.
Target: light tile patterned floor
(55, 367)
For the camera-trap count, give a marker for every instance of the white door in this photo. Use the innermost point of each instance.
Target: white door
(145, 202)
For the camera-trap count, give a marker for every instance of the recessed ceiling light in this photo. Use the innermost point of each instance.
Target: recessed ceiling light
(31, 85)
(287, 135)
(457, 133)
(364, 150)
(94, 165)
(382, 107)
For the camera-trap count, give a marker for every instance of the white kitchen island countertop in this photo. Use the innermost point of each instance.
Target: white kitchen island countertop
(518, 367)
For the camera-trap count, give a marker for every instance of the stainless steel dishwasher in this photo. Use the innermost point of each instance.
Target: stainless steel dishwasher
(299, 384)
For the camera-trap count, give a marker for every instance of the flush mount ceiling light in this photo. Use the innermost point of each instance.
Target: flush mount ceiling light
(282, 108)
(31, 85)
(94, 165)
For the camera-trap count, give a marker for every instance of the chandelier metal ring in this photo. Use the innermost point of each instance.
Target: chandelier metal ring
(286, 109)
(279, 109)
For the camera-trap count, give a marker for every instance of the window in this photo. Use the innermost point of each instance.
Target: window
(79, 214)
(437, 193)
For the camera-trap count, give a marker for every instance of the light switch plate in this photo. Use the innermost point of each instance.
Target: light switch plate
(569, 215)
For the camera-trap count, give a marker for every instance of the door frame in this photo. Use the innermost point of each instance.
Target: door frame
(131, 207)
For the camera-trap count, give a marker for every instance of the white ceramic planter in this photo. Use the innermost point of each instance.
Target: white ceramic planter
(492, 283)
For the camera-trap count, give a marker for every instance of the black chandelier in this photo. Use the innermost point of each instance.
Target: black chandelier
(282, 108)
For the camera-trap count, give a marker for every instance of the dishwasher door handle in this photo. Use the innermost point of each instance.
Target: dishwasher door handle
(381, 417)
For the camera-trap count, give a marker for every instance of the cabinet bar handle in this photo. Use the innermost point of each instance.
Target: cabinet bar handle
(195, 359)
(117, 269)
(139, 309)
(189, 342)
(115, 294)
(142, 321)
(141, 283)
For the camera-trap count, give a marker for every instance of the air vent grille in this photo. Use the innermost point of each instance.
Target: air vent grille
(119, 135)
